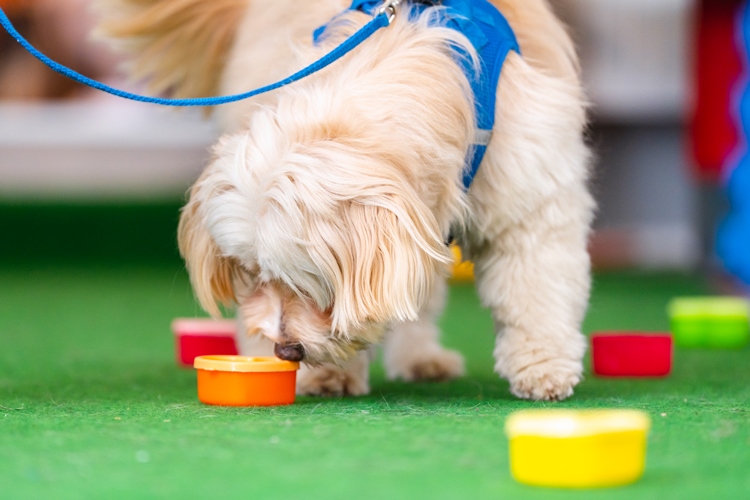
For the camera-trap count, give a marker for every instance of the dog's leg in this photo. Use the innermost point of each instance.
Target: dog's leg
(532, 212)
(352, 379)
(412, 350)
(535, 279)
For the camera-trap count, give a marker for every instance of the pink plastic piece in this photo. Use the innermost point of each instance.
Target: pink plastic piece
(203, 337)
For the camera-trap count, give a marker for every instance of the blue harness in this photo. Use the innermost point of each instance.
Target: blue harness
(492, 37)
(478, 20)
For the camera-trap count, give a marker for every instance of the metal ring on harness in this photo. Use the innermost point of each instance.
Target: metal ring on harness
(389, 7)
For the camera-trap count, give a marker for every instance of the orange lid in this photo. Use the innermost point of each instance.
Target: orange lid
(244, 364)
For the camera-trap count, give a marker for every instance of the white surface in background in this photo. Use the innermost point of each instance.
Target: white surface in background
(100, 149)
(102, 123)
(668, 246)
(635, 56)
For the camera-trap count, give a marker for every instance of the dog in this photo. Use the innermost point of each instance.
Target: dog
(324, 213)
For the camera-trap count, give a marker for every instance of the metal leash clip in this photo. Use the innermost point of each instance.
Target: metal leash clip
(389, 8)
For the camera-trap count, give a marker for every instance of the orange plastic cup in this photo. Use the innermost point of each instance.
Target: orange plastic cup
(245, 381)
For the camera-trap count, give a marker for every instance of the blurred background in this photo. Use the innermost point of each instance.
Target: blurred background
(87, 176)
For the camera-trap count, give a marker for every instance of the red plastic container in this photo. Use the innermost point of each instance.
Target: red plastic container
(203, 337)
(631, 354)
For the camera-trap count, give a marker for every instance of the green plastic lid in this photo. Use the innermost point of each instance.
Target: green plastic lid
(709, 306)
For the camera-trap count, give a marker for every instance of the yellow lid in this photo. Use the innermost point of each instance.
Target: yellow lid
(244, 364)
(574, 423)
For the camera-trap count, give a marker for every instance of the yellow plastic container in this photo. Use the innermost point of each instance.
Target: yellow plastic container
(577, 449)
(463, 270)
(245, 381)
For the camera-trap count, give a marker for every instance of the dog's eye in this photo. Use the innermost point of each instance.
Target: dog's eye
(252, 270)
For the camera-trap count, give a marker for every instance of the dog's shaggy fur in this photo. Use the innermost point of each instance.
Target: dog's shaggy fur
(324, 212)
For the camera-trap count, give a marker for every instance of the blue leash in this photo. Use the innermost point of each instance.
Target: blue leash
(383, 18)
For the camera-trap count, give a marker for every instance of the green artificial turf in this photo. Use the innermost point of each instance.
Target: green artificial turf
(93, 406)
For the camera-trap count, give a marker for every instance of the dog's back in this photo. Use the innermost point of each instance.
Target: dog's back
(187, 47)
(543, 38)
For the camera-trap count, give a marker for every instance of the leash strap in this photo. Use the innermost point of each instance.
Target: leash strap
(382, 19)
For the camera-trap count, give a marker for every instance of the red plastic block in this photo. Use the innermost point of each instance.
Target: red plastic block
(631, 354)
(203, 337)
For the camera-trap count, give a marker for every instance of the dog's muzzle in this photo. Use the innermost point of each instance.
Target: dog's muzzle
(289, 352)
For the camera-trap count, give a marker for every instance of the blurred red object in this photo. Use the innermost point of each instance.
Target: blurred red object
(718, 69)
(203, 337)
(631, 354)
(10, 6)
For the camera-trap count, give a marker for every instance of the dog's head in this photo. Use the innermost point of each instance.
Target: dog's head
(324, 219)
(320, 243)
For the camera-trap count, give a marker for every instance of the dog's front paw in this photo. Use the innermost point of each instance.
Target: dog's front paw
(331, 381)
(435, 365)
(539, 367)
(551, 380)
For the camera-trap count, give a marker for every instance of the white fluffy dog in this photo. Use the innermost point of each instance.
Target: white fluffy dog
(326, 208)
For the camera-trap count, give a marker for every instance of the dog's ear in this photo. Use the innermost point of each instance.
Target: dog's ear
(381, 255)
(179, 46)
(211, 274)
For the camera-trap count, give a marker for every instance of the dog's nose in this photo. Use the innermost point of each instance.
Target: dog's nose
(289, 352)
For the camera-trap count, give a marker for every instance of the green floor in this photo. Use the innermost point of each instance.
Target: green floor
(92, 405)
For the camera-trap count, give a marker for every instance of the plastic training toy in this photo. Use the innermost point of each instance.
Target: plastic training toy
(631, 354)
(200, 337)
(463, 270)
(577, 449)
(717, 322)
(245, 381)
